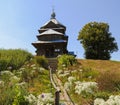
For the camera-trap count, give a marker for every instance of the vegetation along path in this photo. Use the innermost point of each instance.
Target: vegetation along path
(63, 95)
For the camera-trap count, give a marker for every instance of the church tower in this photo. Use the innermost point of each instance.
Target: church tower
(52, 40)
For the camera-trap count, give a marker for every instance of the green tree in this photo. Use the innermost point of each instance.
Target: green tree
(97, 41)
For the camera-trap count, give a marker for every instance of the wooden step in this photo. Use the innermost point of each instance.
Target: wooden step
(53, 62)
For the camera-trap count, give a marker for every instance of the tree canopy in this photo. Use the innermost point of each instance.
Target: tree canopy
(97, 41)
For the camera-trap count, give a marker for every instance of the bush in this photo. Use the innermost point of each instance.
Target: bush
(102, 94)
(3, 64)
(66, 60)
(109, 80)
(12, 95)
(13, 58)
(41, 61)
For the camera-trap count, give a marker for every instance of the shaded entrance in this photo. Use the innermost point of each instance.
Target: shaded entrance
(49, 52)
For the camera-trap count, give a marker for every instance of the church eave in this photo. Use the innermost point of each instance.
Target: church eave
(50, 32)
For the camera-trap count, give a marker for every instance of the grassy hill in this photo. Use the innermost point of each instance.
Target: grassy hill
(91, 80)
(23, 81)
(100, 64)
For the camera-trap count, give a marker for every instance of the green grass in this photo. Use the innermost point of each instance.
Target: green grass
(13, 58)
(36, 81)
(105, 73)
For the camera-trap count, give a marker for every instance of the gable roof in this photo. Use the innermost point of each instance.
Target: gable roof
(55, 22)
(50, 31)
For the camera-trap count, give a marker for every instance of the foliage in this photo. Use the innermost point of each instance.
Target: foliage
(102, 94)
(66, 60)
(41, 61)
(113, 100)
(42, 99)
(18, 84)
(97, 41)
(85, 88)
(13, 58)
(11, 92)
(81, 88)
(36, 77)
(3, 64)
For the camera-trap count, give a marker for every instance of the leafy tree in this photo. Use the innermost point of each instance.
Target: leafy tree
(97, 41)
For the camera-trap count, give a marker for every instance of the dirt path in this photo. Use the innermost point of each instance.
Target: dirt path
(64, 97)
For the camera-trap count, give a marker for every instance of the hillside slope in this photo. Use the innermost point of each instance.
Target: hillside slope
(91, 80)
(100, 64)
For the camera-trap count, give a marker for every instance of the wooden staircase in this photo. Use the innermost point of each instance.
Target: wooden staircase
(52, 62)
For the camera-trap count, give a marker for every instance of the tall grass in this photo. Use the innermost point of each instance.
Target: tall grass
(105, 73)
(109, 80)
(41, 61)
(13, 58)
(29, 79)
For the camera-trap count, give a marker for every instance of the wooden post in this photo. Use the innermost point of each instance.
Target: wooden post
(57, 97)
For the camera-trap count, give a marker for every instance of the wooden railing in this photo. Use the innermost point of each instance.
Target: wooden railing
(57, 93)
(57, 87)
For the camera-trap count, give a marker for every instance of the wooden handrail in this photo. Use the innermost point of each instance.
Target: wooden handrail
(57, 93)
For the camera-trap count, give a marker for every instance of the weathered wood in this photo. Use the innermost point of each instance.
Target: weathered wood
(57, 97)
(53, 62)
(52, 40)
(57, 93)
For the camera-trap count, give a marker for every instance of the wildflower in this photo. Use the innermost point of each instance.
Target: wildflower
(9, 68)
(33, 65)
(1, 83)
(22, 68)
(31, 99)
(74, 71)
(87, 87)
(71, 79)
(22, 84)
(62, 73)
(99, 101)
(7, 73)
(67, 85)
(81, 70)
(14, 79)
(113, 100)
(46, 98)
(41, 69)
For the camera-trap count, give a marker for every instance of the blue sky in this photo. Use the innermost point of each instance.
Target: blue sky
(21, 19)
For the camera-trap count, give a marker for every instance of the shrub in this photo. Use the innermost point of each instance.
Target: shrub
(109, 80)
(3, 64)
(66, 60)
(41, 61)
(102, 94)
(12, 94)
(13, 58)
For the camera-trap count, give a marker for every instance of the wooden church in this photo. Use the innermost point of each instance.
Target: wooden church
(52, 40)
